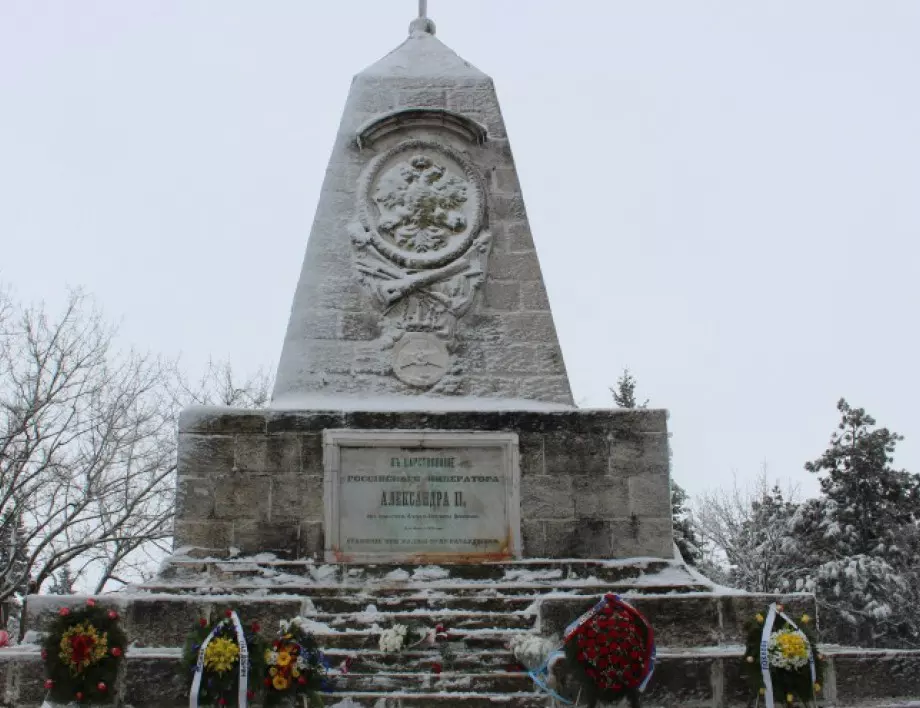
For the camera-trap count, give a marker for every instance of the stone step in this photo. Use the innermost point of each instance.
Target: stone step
(445, 590)
(437, 700)
(408, 603)
(421, 661)
(179, 567)
(431, 682)
(457, 620)
(459, 640)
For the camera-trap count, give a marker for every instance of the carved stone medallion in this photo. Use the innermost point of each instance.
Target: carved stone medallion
(420, 359)
(421, 251)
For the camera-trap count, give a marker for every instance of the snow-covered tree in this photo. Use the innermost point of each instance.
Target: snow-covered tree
(88, 447)
(624, 395)
(684, 528)
(867, 500)
(859, 541)
(749, 529)
(62, 582)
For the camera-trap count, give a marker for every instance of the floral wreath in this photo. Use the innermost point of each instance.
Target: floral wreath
(219, 658)
(610, 652)
(781, 658)
(82, 652)
(295, 666)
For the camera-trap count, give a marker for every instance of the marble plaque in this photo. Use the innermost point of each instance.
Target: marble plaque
(421, 496)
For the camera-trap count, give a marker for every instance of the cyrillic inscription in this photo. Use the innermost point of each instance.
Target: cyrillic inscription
(412, 495)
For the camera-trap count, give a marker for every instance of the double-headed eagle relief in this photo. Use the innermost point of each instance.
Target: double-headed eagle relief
(421, 204)
(421, 252)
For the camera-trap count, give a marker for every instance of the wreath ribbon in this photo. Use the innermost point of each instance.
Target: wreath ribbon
(243, 661)
(764, 655)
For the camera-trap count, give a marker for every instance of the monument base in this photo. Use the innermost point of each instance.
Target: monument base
(563, 483)
(699, 630)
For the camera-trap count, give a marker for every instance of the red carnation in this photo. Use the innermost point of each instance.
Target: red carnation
(228, 613)
(592, 653)
(436, 668)
(221, 701)
(256, 627)
(90, 602)
(250, 694)
(268, 682)
(102, 687)
(79, 695)
(116, 652)
(64, 611)
(113, 615)
(44, 654)
(300, 679)
(202, 622)
(602, 663)
(49, 684)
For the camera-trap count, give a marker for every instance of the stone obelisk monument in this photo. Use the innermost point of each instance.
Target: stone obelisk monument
(421, 278)
(422, 411)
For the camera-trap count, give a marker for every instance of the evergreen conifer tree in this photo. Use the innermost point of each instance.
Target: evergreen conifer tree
(859, 540)
(683, 528)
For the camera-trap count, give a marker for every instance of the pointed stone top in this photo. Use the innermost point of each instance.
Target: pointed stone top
(423, 55)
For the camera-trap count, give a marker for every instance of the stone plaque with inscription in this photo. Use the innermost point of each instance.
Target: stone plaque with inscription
(421, 496)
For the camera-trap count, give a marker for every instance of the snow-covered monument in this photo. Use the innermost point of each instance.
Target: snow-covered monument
(422, 458)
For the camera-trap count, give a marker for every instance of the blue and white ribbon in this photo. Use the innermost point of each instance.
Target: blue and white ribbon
(765, 658)
(243, 662)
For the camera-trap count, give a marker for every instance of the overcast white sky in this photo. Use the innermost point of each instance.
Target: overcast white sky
(725, 195)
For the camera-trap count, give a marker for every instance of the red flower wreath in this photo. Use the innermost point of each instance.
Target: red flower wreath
(610, 650)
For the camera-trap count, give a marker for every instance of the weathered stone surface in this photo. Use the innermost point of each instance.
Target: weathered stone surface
(681, 682)
(154, 682)
(241, 496)
(162, 622)
(547, 498)
(202, 534)
(600, 498)
(865, 675)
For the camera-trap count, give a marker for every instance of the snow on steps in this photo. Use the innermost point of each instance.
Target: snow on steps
(266, 573)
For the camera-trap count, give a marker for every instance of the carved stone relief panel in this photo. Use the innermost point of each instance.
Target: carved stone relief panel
(421, 252)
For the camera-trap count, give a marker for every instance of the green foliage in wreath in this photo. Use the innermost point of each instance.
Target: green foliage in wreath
(295, 667)
(221, 676)
(82, 652)
(787, 653)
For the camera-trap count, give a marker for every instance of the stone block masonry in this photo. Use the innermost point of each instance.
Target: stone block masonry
(594, 483)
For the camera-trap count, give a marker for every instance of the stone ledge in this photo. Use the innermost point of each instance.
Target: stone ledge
(689, 680)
